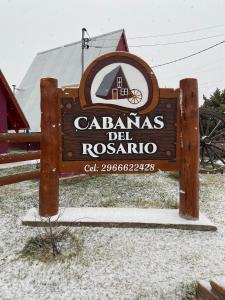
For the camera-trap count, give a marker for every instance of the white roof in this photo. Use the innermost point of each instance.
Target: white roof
(62, 63)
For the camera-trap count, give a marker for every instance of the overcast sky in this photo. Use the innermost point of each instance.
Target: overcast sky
(31, 26)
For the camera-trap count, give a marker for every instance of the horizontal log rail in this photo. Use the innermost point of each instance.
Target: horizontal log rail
(16, 157)
(20, 137)
(10, 179)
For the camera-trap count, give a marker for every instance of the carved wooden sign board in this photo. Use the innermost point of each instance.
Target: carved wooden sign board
(120, 121)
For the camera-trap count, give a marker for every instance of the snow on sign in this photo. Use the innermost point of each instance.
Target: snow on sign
(119, 123)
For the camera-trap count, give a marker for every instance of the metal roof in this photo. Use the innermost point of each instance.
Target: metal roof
(64, 64)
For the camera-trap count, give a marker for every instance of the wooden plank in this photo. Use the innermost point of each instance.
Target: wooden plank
(99, 167)
(189, 152)
(74, 138)
(167, 140)
(167, 93)
(20, 137)
(70, 93)
(10, 179)
(218, 285)
(15, 157)
(49, 177)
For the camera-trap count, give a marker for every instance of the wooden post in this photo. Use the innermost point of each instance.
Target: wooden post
(49, 174)
(189, 156)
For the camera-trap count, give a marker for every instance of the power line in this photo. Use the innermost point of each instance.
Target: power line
(178, 42)
(188, 56)
(166, 44)
(211, 82)
(179, 59)
(177, 33)
(198, 70)
(88, 35)
(167, 34)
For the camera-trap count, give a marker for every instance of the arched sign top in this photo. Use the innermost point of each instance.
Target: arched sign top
(120, 81)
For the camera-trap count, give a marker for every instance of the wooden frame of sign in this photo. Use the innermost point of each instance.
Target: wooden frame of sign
(126, 125)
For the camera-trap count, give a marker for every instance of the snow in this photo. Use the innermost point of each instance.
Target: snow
(114, 263)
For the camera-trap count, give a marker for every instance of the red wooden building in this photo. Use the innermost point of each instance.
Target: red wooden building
(11, 116)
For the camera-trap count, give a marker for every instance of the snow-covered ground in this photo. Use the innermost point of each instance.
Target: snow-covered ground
(112, 263)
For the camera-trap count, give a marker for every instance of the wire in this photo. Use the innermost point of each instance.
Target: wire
(166, 34)
(176, 60)
(177, 33)
(188, 56)
(211, 82)
(165, 44)
(201, 69)
(88, 34)
(178, 42)
(87, 40)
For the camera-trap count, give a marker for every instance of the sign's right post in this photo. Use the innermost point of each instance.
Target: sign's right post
(189, 154)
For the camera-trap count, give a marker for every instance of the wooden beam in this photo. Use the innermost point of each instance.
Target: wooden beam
(218, 286)
(9, 179)
(189, 156)
(49, 177)
(167, 93)
(71, 92)
(20, 137)
(15, 157)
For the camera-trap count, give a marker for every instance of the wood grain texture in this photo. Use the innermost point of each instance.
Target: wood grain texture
(119, 57)
(205, 292)
(10, 179)
(72, 139)
(15, 157)
(20, 137)
(168, 138)
(218, 286)
(70, 166)
(189, 164)
(49, 174)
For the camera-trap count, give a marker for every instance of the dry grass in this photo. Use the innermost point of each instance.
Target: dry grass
(40, 246)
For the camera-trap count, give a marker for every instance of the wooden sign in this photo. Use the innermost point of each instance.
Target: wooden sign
(119, 123)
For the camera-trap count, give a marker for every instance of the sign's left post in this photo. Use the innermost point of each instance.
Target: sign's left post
(49, 168)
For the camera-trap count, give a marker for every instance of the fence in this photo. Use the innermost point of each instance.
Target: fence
(50, 169)
(17, 157)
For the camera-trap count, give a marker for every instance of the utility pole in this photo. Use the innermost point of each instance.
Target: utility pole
(84, 45)
(14, 89)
